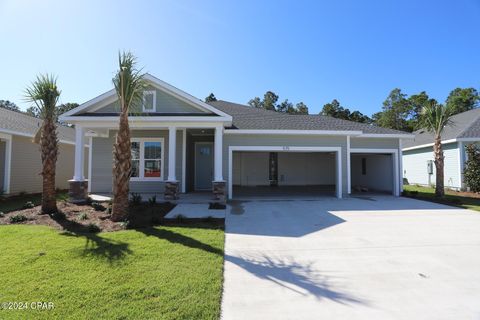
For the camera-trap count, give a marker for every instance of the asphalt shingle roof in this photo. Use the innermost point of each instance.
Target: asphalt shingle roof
(246, 117)
(463, 125)
(20, 122)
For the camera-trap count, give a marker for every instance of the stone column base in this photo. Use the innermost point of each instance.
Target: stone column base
(219, 191)
(78, 191)
(171, 190)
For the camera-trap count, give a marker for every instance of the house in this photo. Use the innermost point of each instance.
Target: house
(20, 158)
(418, 157)
(181, 144)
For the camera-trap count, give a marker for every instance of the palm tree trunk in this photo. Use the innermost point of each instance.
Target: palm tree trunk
(49, 151)
(439, 166)
(122, 164)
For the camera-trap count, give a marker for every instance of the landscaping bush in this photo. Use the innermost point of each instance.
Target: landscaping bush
(2, 214)
(153, 200)
(98, 206)
(28, 205)
(93, 228)
(136, 198)
(472, 168)
(18, 218)
(83, 216)
(58, 215)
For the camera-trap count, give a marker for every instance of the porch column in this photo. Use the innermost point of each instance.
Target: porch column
(461, 167)
(172, 150)
(171, 186)
(79, 153)
(218, 150)
(218, 184)
(78, 192)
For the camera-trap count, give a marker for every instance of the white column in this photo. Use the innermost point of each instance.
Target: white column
(461, 164)
(218, 149)
(172, 151)
(79, 153)
(349, 174)
(400, 159)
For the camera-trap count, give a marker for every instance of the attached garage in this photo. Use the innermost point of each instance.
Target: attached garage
(274, 171)
(374, 171)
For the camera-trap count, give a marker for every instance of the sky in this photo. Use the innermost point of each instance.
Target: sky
(310, 51)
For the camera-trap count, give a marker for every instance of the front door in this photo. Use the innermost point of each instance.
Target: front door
(203, 165)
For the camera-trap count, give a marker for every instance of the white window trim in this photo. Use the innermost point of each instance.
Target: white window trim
(154, 100)
(142, 159)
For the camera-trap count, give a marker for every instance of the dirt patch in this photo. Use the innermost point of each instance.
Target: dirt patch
(88, 218)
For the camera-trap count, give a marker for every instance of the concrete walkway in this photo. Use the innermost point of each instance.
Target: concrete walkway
(357, 258)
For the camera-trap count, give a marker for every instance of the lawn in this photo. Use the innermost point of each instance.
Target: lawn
(172, 272)
(458, 199)
(13, 203)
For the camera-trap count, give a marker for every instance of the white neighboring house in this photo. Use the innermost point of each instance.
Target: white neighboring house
(418, 166)
(20, 158)
(181, 144)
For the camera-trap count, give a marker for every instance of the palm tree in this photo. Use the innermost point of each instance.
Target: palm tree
(129, 85)
(434, 118)
(44, 94)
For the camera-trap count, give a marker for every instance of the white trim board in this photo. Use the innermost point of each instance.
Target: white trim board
(8, 161)
(395, 160)
(141, 165)
(337, 150)
(294, 132)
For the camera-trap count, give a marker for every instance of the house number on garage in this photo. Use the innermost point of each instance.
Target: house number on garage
(286, 148)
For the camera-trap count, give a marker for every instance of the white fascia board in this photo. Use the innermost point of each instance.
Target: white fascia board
(388, 135)
(469, 139)
(428, 145)
(294, 132)
(86, 105)
(22, 134)
(151, 124)
(159, 119)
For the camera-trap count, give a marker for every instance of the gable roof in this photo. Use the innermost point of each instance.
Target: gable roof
(249, 118)
(17, 123)
(111, 96)
(463, 125)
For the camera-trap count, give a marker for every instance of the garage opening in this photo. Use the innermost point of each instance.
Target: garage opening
(275, 174)
(372, 173)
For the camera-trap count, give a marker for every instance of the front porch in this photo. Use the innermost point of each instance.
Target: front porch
(174, 163)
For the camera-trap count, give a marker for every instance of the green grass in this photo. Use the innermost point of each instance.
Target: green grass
(154, 273)
(451, 198)
(13, 203)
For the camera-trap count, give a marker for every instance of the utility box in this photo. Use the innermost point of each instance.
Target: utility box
(430, 166)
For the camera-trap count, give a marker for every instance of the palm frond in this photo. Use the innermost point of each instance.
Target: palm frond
(44, 93)
(435, 117)
(128, 82)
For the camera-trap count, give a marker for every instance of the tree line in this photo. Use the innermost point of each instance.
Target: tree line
(399, 110)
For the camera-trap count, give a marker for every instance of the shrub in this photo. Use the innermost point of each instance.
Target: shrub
(28, 205)
(136, 198)
(18, 218)
(153, 200)
(83, 216)
(98, 206)
(472, 168)
(125, 224)
(2, 214)
(180, 218)
(58, 215)
(93, 228)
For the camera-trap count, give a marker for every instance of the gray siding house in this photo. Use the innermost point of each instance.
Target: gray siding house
(20, 159)
(418, 167)
(181, 144)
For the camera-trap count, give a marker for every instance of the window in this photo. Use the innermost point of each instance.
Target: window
(364, 166)
(149, 101)
(147, 159)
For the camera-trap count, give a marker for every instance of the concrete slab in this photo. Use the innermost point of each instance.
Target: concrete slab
(376, 257)
(99, 198)
(195, 210)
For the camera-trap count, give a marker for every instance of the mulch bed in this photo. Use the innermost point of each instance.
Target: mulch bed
(84, 218)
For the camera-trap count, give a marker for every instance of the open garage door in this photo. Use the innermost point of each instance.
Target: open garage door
(284, 174)
(374, 172)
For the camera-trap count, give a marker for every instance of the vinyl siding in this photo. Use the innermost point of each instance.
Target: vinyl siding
(101, 180)
(3, 146)
(26, 165)
(374, 143)
(164, 103)
(415, 166)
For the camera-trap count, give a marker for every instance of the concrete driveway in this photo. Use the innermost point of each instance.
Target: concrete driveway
(368, 258)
